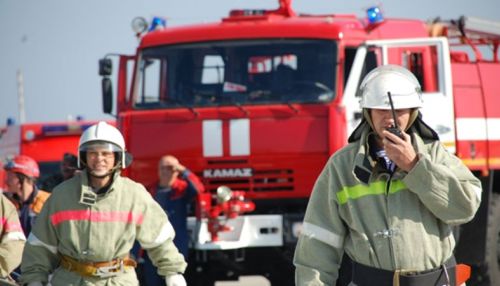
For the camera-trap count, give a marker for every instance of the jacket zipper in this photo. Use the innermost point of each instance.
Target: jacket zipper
(389, 228)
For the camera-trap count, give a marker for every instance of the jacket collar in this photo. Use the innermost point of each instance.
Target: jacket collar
(364, 164)
(88, 196)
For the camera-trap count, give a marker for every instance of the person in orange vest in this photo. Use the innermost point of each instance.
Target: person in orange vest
(22, 173)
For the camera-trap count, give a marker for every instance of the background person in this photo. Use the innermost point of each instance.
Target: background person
(22, 172)
(87, 228)
(388, 203)
(68, 168)
(174, 191)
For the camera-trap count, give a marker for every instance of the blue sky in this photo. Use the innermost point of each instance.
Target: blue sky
(57, 43)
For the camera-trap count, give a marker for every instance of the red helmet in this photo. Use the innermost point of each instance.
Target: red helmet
(24, 165)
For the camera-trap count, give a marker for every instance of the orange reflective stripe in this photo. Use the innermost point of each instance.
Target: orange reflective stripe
(10, 226)
(96, 216)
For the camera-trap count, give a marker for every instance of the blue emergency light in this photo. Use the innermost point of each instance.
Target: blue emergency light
(64, 129)
(157, 23)
(48, 129)
(374, 15)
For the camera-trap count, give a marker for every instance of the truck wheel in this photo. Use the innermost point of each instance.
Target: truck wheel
(492, 269)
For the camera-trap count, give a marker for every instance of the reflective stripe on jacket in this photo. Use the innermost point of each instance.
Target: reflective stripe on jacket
(393, 222)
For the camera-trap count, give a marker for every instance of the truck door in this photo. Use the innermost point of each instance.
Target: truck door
(429, 60)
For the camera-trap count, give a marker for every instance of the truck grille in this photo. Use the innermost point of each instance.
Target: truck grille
(260, 181)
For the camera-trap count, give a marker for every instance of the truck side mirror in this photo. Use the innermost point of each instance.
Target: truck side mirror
(105, 67)
(107, 95)
(358, 115)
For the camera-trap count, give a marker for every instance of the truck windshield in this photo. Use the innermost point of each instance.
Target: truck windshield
(236, 73)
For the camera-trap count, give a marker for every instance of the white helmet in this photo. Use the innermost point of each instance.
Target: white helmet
(102, 134)
(401, 83)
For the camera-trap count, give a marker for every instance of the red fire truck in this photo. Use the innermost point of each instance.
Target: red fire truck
(45, 142)
(260, 100)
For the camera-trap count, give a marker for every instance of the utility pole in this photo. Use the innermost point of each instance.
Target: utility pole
(20, 95)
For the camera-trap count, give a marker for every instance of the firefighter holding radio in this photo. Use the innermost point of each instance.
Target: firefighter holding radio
(89, 224)
(389, 199)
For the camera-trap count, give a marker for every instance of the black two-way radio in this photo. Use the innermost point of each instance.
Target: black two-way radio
(394, 129)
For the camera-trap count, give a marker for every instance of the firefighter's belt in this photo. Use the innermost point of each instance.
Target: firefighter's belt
(97, 269)
(363, 275)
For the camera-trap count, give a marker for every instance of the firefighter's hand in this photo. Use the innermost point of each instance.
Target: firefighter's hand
(179, 168)
(175, 280)
(400, 151)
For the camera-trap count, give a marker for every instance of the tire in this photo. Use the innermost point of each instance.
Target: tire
(492, 269)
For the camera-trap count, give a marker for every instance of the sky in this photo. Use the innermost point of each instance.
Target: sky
(56, 44)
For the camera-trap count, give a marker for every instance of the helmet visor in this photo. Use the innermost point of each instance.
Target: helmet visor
(99, 146)
(13, 166)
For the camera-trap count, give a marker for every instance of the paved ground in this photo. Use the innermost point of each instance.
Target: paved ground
(246, 281)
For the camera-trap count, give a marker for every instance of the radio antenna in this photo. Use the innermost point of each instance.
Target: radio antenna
(394, 130)
(393, 111)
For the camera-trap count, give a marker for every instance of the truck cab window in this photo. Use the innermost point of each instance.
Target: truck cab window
(150, 87)
(414, 61)
(212, 70)
(370, 62)
(236, 72)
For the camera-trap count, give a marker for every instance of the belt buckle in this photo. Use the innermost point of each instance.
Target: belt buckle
(109, 271)
(410, 273)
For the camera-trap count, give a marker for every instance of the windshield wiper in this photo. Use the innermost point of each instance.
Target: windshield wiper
(240, 107)
(188, 107)
(292, 107)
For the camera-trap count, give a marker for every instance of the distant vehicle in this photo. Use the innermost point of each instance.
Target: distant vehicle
(259, 101)
(45, 142)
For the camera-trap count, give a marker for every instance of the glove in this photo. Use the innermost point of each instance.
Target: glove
(36, 283)
(174, 280)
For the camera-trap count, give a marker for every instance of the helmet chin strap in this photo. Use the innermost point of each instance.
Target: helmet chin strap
(92, 174)
(110, 172)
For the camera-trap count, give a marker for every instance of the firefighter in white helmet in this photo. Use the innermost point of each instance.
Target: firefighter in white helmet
(387, 201)
(88, 226)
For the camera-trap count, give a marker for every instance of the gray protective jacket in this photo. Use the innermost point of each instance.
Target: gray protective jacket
(12, 238)
(77, 223)
(398, 222)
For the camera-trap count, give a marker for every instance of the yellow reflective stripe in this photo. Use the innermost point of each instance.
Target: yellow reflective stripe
(375, 188)
(396, 186)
